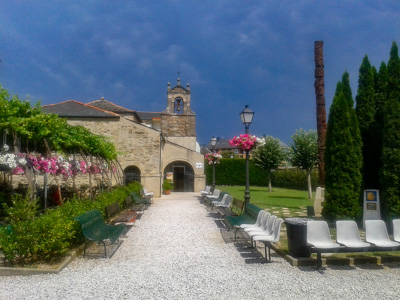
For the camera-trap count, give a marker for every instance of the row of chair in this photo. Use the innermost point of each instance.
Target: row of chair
(225, 204)
(217, 198)
(348, 238)
(266, 230)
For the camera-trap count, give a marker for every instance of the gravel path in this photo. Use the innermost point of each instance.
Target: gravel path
(177, 251)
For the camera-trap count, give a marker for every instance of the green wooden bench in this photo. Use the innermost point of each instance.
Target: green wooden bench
(249, 216)
(139, 200)
(95, 229)
(234, 209)
(130, 205)
(115, 215)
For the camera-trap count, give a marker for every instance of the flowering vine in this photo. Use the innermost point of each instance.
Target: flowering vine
(57, 165)
(244, 142)
(213, 158)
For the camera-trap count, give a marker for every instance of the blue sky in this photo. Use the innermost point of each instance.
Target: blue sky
(233, 53)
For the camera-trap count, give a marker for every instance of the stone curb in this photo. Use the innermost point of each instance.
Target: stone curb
(19, 271)
(345, 261)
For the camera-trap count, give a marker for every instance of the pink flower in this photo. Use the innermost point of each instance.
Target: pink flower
(213, 158)
(244, 142)
(18, 171)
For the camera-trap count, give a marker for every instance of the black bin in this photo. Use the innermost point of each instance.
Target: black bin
(297, 236)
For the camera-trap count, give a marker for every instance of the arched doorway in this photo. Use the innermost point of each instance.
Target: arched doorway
(182, 175)
(131, 173)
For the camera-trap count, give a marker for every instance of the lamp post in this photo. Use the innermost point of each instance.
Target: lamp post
(247, 117)
(213, 142)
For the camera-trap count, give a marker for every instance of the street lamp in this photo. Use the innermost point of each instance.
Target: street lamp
(247, 117)
(213, 142)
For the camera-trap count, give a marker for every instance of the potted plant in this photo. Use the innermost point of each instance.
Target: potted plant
(167, 187)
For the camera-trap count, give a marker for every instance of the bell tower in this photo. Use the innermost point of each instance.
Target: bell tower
(178, 121)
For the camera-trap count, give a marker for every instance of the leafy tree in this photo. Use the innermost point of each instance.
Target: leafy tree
(370, 130)
(268, 156)
(390, 176)
(343, 161)
(304, 153)
(14, 115)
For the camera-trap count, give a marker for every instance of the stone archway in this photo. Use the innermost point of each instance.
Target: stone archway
(182, 174)
(132, 173)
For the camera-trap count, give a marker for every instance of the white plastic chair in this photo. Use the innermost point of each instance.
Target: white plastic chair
(215, 202)
(214, 195)
(225, 202)
(319, 239)
(376, 233)
(347, 235)
(266, 229)
(260, 225)
(261, 220)
(145, 194)
(258, 221)
(206, 191)
(396, 230)
(267, 240)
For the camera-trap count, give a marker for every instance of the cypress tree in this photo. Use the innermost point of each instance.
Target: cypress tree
(381, 93)
(390, 176)
(346, 89)
(366, 109)
(342, 157)
(353, 117)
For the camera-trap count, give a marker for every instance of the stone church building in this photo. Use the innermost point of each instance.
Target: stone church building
(151, 146)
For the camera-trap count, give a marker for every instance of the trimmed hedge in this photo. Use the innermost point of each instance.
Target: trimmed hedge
(231, 171)
(29, 239)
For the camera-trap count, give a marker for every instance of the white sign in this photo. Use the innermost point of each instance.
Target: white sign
(199, 165)
(371, 207)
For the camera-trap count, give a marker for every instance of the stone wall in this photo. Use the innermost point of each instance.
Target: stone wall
(178, 125)
(136, 144)
(173, 153)
(187, 142)
(140, 146)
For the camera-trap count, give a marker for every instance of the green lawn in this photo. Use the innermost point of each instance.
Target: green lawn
(294, 200)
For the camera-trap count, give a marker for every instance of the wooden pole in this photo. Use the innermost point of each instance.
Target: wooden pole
(321, 113)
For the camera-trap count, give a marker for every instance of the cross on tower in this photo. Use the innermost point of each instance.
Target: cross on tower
(179, 73)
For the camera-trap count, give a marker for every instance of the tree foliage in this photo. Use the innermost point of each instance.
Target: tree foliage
(24, 121)
(304, 152)
(390, 178)
(342, 158)
(370, 129)
(268, 156)
(20, 121)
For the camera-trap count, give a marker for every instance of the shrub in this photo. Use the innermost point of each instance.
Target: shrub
(232, 172)
(28, 238)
